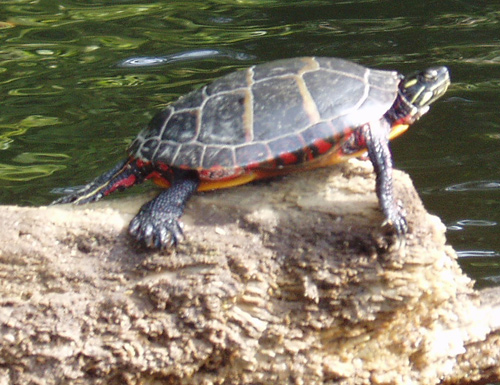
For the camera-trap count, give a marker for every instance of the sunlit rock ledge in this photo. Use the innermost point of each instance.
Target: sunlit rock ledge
(281, 282)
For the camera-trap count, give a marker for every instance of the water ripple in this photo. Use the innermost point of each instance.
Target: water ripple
(476, 222)
(198, 54)
(478, 254)
(481, 185)
(459, 225)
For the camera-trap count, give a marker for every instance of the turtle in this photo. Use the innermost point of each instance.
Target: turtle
(268, 120)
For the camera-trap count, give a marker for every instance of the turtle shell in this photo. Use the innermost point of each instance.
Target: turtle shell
(271, 115)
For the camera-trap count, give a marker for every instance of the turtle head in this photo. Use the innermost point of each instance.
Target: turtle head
(421, 89)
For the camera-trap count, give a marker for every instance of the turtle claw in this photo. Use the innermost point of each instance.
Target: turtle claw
(393, 234)
(156, 232)
(396, 227)
(396, 220)
(399, 226)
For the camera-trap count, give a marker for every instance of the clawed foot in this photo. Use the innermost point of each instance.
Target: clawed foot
(156, 230)
(396, 225)
(157, 225)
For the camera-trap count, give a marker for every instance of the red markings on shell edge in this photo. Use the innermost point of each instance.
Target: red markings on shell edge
(140, 163)
(163, 167)
(267, 164)
(322, 146)
(288, 158)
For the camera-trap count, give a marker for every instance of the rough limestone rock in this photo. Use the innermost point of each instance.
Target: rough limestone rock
(287, 281)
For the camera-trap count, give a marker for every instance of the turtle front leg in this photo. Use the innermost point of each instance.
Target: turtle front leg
(157, 224)
(377, 142)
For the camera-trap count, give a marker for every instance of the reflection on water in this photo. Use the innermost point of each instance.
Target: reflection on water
(79, 79)
(459, 225)
(19, 173)
(478, 254)
(199, 54)
(481, 185)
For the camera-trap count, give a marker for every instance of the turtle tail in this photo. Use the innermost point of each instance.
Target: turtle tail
(123, 175)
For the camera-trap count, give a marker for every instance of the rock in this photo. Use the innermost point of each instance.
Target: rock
(283, 281)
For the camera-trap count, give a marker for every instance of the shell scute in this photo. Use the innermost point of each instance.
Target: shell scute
(341, 66)
(189, 157)
(252, 154)
(148, 149)
(278, 68)
(167, 152)
(181, 127)
(218, 157)
(158, 121)
(229, 82)
(328, 90)
(278, 106)
(190, 101)
(222, 119)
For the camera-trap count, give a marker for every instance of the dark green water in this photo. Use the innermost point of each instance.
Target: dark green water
(68, 109)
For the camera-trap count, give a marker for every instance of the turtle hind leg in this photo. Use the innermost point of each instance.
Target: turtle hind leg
(157, 224)
(123, 175)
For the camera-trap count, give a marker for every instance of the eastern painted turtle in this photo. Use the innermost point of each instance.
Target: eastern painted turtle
(270, 119)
